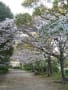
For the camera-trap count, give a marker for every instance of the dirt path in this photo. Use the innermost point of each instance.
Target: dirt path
(22, 80)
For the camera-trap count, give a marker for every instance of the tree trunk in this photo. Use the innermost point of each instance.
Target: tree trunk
(62, 68)
(62, 64)
(49, 66)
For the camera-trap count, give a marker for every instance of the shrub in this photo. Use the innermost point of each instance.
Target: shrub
(40, 67)
(3, 69)
(37, 67)
(55, 69)
(28, 66)
(66, 71)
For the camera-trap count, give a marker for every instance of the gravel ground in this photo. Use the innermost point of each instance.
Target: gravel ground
(22, 80)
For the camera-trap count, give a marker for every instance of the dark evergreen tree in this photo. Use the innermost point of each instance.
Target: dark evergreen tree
(5, 12)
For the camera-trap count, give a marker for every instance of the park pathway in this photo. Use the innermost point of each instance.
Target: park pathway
(22, 80)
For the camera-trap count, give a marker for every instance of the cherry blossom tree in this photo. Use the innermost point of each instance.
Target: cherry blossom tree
(6, 43)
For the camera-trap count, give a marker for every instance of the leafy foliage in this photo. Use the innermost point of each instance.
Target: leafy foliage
(5, 12)
(23, 19)
(39, 10)
(3, 69)
(29, 2)
(40, 67)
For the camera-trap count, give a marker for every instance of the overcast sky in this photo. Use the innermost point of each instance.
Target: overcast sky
(15, 6)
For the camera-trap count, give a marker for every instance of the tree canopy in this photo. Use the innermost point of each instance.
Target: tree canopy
(5, 12)
(27, 3)
(23, 19)
(53, 32)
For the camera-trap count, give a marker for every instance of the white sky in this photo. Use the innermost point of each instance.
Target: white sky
(15, 6)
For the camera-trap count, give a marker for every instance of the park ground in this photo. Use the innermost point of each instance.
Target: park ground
(23, 80)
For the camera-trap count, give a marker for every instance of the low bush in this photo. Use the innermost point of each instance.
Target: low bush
(66, 73)
(3, 69)
(36, 67)
(55, 68)
(40, 67)
(28, 66)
